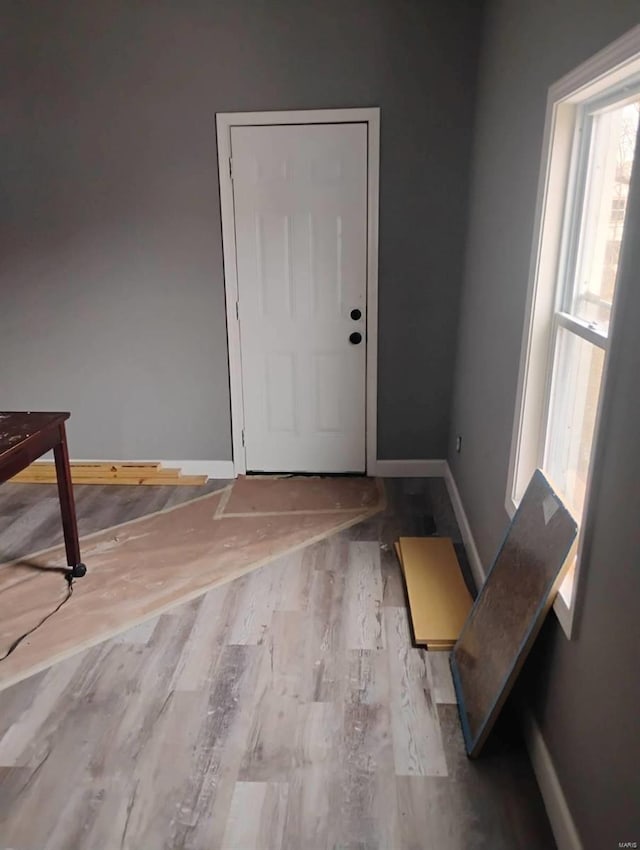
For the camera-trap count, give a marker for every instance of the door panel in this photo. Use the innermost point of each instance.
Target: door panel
(300, 201)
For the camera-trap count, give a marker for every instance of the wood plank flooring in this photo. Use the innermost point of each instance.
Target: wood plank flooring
(286, 709)
(152, 563)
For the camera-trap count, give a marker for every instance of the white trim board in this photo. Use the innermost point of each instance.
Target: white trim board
(562, 824)
(471, 549)
(211, 468)
(224, 122)
(216, 469)
(409, 468)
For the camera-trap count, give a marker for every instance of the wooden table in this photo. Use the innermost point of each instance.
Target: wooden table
(24, 437)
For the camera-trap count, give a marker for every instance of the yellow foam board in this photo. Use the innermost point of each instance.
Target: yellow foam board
(439, 601)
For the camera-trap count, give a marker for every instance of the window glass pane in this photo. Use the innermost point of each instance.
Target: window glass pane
(572, 416)
(613, 139)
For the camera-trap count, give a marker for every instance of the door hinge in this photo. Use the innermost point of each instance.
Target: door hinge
(230, 168)
(243, 436)
(237, 311)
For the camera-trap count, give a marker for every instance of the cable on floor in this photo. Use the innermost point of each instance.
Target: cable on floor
(18, 641)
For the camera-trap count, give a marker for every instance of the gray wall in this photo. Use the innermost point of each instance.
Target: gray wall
(111, 273)
(585, 693)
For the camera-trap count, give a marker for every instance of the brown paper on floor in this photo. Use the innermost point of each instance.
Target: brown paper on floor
(439, 601)
(266, 495)
(139, 569)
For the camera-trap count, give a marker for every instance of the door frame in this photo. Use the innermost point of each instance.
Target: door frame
(224, 122)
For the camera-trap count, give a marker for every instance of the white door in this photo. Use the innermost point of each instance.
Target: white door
(300, 206)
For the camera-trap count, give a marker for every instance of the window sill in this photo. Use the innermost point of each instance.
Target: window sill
(562, 605)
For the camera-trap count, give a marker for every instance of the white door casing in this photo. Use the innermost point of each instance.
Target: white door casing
(300, 248)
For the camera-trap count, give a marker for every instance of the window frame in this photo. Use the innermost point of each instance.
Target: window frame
(599, 81)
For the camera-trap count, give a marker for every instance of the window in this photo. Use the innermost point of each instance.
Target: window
(590, 149)
(605, 138)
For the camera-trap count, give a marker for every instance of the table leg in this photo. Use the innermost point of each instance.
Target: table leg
(67, 505)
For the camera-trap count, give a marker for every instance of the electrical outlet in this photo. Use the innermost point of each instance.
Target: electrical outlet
(459, 443)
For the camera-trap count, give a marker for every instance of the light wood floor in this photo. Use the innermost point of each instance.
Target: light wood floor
(286, 709)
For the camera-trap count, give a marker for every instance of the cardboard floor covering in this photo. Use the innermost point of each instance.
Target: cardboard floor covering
(144, 567)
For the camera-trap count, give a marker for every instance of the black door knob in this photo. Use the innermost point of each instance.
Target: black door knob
(355, 314)
(355, 338)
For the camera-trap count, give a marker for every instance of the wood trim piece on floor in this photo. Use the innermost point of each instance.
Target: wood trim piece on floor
(419, 468)
(190, 470)
(562, 823)
(109, 472)
(216, 469)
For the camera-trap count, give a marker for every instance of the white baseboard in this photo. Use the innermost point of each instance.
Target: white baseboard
(562, 824)
(210, 468)
(409, 469)
(471, 549)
